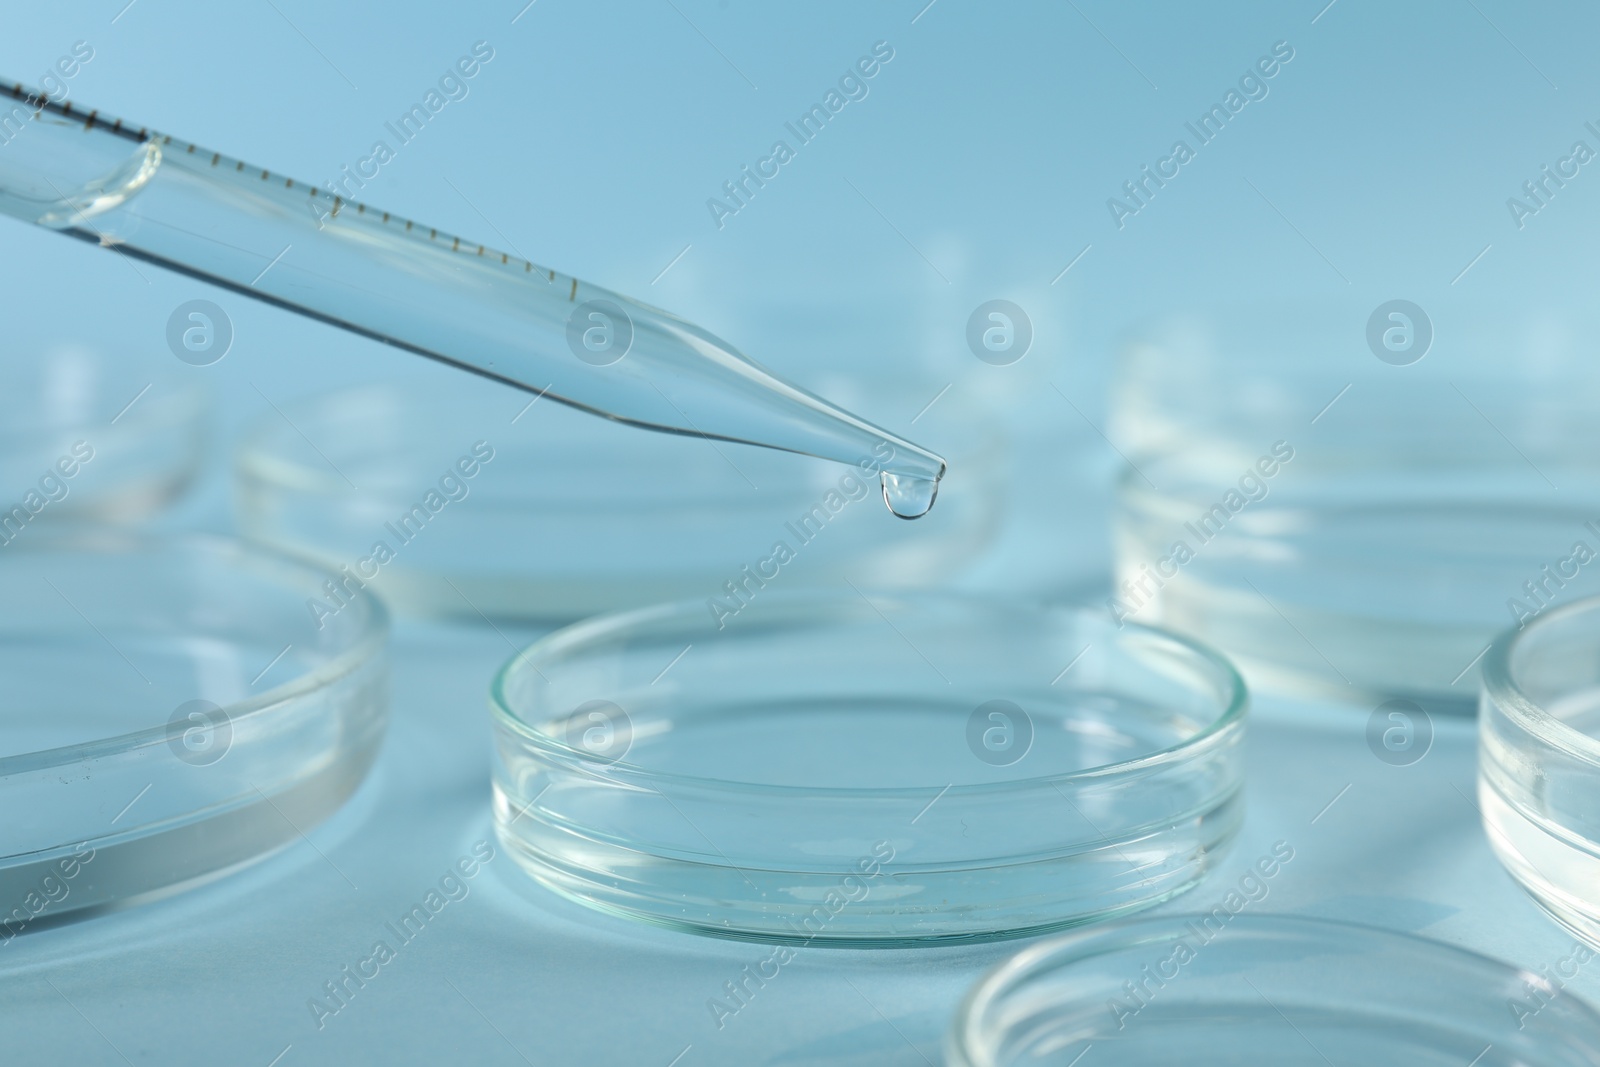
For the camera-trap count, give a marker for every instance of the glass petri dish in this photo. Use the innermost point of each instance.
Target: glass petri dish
(900, 357)
(172, 712)
(1230, 989)
(87, 437)
(1539, 761)
(565, 515)
(894, 770)
(1345, 527)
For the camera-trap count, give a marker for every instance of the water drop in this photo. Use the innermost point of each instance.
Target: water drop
(909, 496)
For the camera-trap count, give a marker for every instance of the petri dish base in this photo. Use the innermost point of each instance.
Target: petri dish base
(1342, 526)
(473, 503)
(894, 770)
(174, 712)
(1346, 594)
(95, 437)
(1539, 761)
(1200, 989)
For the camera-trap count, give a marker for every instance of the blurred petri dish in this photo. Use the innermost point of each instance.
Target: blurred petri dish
(1232, 988)
(89, 437)
(1539, 761)
(900, 355)
(893, 770)
(173, 712)
(564, 515)
(1343, 526)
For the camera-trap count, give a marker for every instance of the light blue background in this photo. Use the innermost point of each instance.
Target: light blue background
(981, 161)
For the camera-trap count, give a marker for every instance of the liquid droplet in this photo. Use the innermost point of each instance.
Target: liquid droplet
(909, 496)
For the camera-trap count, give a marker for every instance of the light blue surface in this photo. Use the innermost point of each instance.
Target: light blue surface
(224, 974)
(978, 167)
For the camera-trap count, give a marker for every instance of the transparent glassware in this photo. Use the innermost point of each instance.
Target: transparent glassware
(893, 770)
(1539, 761)
(1238, 988)
(172, 203)
(132, 441)
(172, 713)
(571, 516)
(1344, 526)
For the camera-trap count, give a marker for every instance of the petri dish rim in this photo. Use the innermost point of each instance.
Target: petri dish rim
(524, 549)
(1500, 686)
(374, 630)
(1419, 629)
(965, 1039)
(302, 749)
(1213, 733)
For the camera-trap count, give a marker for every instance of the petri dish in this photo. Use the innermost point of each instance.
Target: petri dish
(1234, 988)
(1347, 527)
(565, 515)
(1539, 761)
(88, 437)
(173, 712)
(893, 354)
(889, 770)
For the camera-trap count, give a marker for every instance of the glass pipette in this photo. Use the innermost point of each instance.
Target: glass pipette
(160, 200)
